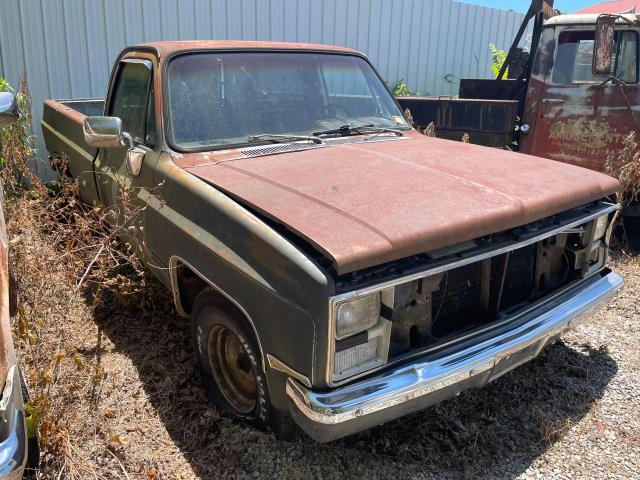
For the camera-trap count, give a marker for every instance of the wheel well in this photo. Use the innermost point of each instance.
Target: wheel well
(189, 284)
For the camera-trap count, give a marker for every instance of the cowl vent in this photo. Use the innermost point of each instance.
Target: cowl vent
(306, 145)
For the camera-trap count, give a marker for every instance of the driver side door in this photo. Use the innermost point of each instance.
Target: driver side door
(125, 174)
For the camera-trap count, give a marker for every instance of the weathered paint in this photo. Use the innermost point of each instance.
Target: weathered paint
(284, 285)
(342, 194)
(7, 352)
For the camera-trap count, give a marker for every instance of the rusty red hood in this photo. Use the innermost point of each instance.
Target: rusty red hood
(370, 203)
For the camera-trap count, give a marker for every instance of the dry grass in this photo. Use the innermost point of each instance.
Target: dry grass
(625, 166)
(85, 382)
(70, 265)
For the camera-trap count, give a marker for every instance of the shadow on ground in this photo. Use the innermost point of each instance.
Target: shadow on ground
(494, 432)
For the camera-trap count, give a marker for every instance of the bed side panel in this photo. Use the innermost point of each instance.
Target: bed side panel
(63, 136)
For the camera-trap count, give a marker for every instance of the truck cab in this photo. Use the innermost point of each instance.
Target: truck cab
(573, 115)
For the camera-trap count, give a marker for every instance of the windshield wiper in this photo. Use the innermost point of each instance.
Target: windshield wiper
(276, 138)
(347, 129)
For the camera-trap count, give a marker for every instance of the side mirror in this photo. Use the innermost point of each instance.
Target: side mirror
(103, 132)
(8, 112)
(603, 45)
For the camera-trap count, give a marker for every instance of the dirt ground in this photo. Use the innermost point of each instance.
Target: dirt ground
(119, 397)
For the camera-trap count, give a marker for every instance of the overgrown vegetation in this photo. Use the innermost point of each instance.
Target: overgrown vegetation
(625, 166)
(69, 262)
(16, 138)
(498, 57)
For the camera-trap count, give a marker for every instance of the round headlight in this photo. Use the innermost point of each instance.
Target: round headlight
(357, 315)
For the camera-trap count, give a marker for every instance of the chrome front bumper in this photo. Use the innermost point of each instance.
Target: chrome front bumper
(439, 375)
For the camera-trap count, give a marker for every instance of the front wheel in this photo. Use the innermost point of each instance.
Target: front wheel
(229, 362)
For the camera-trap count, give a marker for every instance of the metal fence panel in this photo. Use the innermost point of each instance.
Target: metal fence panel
(67, 47)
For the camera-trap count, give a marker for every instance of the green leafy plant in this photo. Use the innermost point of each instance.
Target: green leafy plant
(498, 57)
(401, 89)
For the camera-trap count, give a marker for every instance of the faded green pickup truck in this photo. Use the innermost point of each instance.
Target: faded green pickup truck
(338, 268)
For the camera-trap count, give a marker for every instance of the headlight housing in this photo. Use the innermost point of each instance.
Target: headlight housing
(357, 315)
(600, 227)
(591, 250)
(359, 337)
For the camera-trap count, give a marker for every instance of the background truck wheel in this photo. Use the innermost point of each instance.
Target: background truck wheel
(230, 364)
(632, 232)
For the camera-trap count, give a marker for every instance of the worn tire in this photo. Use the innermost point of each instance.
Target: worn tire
(209, 315)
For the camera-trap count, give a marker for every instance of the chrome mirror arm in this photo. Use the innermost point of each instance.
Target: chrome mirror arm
(127, 139)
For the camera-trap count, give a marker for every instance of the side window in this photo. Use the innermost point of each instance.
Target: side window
(627, 57)
(574, 56)
(130, 98)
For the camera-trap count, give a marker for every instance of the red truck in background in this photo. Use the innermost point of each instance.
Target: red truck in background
(574, 98)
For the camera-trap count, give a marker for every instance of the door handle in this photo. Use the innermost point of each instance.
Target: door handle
(135, 157)
(552, 100)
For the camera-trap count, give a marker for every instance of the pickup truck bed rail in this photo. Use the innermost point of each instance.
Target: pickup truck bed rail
(63, 135)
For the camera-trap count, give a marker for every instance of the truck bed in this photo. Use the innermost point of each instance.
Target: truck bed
(63, 135)
(488, 122)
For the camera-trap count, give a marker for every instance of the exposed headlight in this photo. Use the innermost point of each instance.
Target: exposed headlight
(357, 315)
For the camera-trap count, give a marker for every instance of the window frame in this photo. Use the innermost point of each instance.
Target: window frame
(119, 69)
(618, 44)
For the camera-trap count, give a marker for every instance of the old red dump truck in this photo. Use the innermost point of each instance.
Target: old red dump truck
(573, 98)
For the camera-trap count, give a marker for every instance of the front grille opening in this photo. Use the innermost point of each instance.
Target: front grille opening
(432, 309)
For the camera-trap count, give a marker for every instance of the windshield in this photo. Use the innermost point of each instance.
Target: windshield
(221, 99)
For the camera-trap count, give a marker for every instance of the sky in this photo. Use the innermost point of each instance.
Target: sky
(565, 6)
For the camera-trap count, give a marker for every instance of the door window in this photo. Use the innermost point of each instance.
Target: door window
(131, 98)
(574, 56)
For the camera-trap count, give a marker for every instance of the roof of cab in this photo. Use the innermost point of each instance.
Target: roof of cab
(165, 49)
(586, 18)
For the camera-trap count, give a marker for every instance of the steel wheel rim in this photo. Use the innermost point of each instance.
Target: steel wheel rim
(232, 369)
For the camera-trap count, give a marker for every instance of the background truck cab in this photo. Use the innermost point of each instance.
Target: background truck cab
(551, 101)
(574, 97)
(574, 115)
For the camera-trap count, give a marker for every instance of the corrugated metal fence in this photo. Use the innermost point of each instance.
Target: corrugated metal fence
(67, 47)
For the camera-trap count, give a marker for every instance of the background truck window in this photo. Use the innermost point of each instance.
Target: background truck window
(574, 56)
(130, 97)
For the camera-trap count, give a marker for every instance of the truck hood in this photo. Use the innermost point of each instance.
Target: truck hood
(368, 203)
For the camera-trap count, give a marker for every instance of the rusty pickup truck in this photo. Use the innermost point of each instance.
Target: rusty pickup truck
(338, 268)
